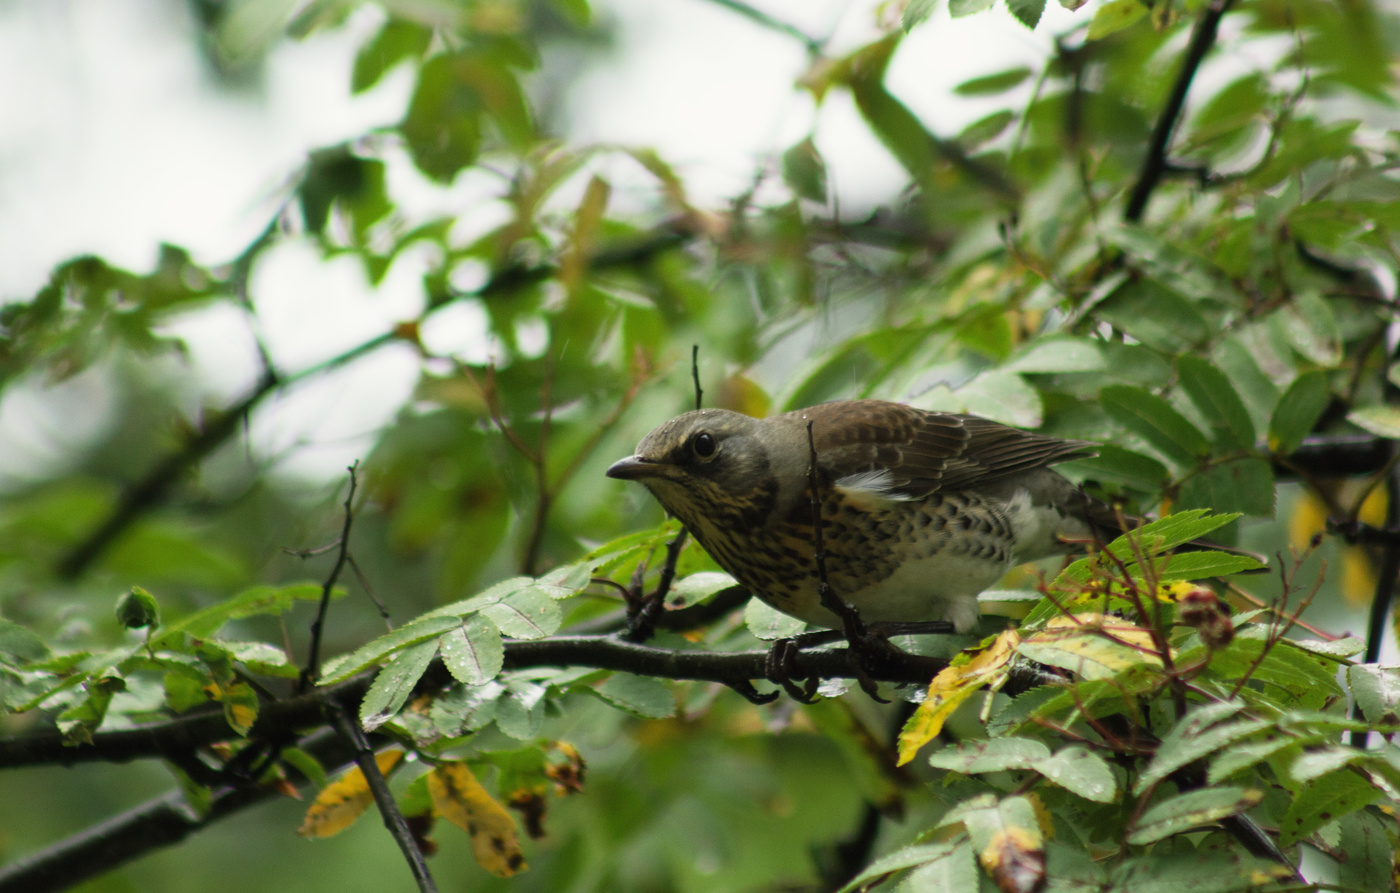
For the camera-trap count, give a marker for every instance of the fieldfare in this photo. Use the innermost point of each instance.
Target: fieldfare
(921, 511)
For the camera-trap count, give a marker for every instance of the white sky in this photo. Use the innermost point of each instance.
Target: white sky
(112, 140)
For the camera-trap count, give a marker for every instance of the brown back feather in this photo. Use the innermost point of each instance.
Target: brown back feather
(926, 452)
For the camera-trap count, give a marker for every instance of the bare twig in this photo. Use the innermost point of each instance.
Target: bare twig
(349, 728)
(312, 671)
(695, 373)
(1155, 165)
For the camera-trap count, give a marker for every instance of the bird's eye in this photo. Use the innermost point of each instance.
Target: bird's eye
(703, 445)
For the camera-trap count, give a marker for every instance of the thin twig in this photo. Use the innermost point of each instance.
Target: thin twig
(350, 729)
(1154, 165)
(312, 671)
(695, 374)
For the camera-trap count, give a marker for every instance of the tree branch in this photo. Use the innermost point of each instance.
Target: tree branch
(312, 671)
(183, 735)
(161, 822)
(148, 492)
(349, 728)
(1155, 165)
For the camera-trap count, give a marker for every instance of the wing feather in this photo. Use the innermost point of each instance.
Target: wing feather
(923, 452)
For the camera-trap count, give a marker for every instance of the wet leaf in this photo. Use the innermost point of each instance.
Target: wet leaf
(460, 798)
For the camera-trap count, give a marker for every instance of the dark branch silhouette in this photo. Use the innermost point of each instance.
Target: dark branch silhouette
(1155, 165)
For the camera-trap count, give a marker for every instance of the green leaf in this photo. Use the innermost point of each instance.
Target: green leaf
(1191, 810)
(698, 587)
(906, 857)
(396, 42)
(1167, 872)
(1313, 764)
(974, 135)
(137, 608)
(1377, 691)
(19, 646)
(1152, 539)
(1062, 353)
(249, 603)
(805, 171)
(1297, 412)
(768, 623)
(263, 659)
(1244, 485)
(991, 755)
(473, 653)
(960, 8)
(521, 711)
(1155, 421)
(1378, 419)
(1368, 850)
(1197, 736)
(1115, 464)
(391, 688)
(1114, 16)
(916, 13)
(530, 613)
(1027, 12)
(1080, 771)
(954, 870)
(1243, 754)
(644, 696)
(991, 83)
(1068, 869)
(1156, 315)
(1201, 565)
(78, 722)
(1308, 324)
(306, 764)
(1215, 397)
(420, 630)
(1324, 801)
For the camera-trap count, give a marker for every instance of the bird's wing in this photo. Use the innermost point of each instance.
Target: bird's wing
(908, 453)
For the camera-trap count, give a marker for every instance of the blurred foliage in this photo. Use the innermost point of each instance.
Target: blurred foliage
(1205, 288)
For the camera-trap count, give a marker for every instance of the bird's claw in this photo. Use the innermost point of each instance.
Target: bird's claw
(779, 668)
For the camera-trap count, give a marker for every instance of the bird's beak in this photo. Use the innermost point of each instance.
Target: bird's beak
(635, 468)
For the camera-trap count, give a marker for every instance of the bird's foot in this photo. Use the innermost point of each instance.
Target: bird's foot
(780, 667)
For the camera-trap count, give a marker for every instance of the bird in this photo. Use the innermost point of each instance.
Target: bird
(920, 510)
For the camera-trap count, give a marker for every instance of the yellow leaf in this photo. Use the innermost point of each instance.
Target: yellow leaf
(956, 683)
(342, 801)
(1094, 646)
(461, 799)
(1308, 518)
(1015, 858)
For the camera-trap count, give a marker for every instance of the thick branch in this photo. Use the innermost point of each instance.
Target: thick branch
(183, 735)
(162, 822)
(1155, 165)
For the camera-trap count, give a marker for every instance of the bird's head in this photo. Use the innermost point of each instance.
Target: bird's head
(704, 465)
